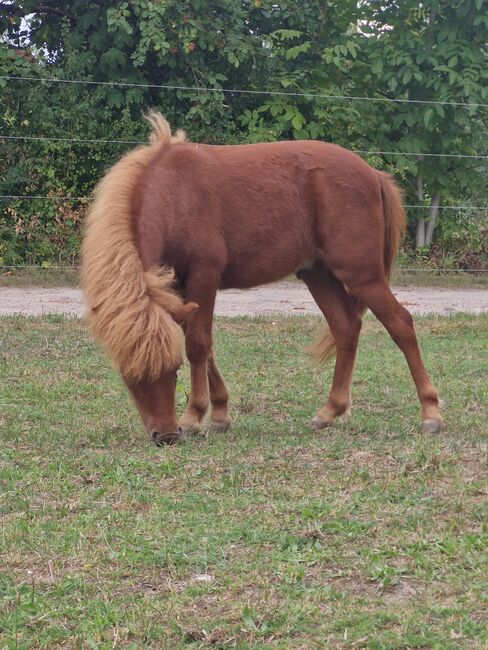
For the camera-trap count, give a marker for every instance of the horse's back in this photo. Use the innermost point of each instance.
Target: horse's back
(257, 208)
(267, 182)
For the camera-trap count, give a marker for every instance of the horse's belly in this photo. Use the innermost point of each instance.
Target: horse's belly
(257, 265)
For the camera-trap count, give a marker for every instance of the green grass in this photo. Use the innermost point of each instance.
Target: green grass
(452, 278)
(438, 271)
(413, 274)
(37, 277)
(269, 536)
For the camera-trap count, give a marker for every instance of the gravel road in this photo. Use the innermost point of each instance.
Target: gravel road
(279, 298)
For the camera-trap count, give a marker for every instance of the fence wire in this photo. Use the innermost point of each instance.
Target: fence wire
(243, 91)
(395, 270)
(32, 197)
(417, 154)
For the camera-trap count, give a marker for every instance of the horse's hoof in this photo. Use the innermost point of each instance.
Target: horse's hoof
(190, 429)
(317, 423)
(431, 426)
(218, 427)
(162, 439)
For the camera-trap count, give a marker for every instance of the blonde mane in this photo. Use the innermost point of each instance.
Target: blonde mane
(161, 130)
(129, 308)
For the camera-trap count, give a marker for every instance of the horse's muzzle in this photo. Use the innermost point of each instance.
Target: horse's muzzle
(161, 439)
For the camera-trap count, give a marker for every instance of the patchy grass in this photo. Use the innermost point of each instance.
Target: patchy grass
(451, 278)
(269, 536)
(441, 272)
(38, 277)
(413, 275)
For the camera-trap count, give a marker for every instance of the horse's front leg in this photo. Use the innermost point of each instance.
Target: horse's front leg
(220, 419)
(201, 287)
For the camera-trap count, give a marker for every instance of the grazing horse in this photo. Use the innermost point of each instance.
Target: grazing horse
(173, 222)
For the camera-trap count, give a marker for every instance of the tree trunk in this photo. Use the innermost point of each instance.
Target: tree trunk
(426, 227)
(432, 220)
(420, 234)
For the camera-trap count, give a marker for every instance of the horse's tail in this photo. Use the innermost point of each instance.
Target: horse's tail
(395, 221)
(129, 308)
(394, 216)
(324, 347)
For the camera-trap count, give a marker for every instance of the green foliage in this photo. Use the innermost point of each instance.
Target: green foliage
(402, 50)
(430, 52)
(464, 238)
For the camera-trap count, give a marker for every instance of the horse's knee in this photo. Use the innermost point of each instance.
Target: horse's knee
(346, 337)
(355, 324)
(198, 349)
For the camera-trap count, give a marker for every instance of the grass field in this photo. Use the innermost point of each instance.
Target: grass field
(368, 535)
(412, 274)
(37, 277)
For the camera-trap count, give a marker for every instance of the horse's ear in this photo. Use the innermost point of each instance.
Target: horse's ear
(184, 311)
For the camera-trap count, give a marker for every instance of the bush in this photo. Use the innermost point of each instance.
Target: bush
(462, 238)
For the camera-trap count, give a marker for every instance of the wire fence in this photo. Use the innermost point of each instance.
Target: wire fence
(244, 91)
(399, 269)
(43, 138)
(241, 91)
(367, 152)
(199, 89)
(35, 197)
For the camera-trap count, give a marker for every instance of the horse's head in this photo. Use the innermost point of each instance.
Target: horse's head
(155, 401)
(155, 398)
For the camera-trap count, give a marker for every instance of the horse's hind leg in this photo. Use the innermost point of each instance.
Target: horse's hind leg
(344, 321)
(377, 295)
(219, 397)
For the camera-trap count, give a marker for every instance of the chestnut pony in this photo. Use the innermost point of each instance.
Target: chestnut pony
(173, 222)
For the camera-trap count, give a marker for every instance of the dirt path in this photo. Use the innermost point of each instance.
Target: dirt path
(282, 297)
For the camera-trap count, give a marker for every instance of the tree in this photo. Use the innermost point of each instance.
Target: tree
(209, 45)
(147, 44)
(312, 50)
(289, 58)
(434, 51)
